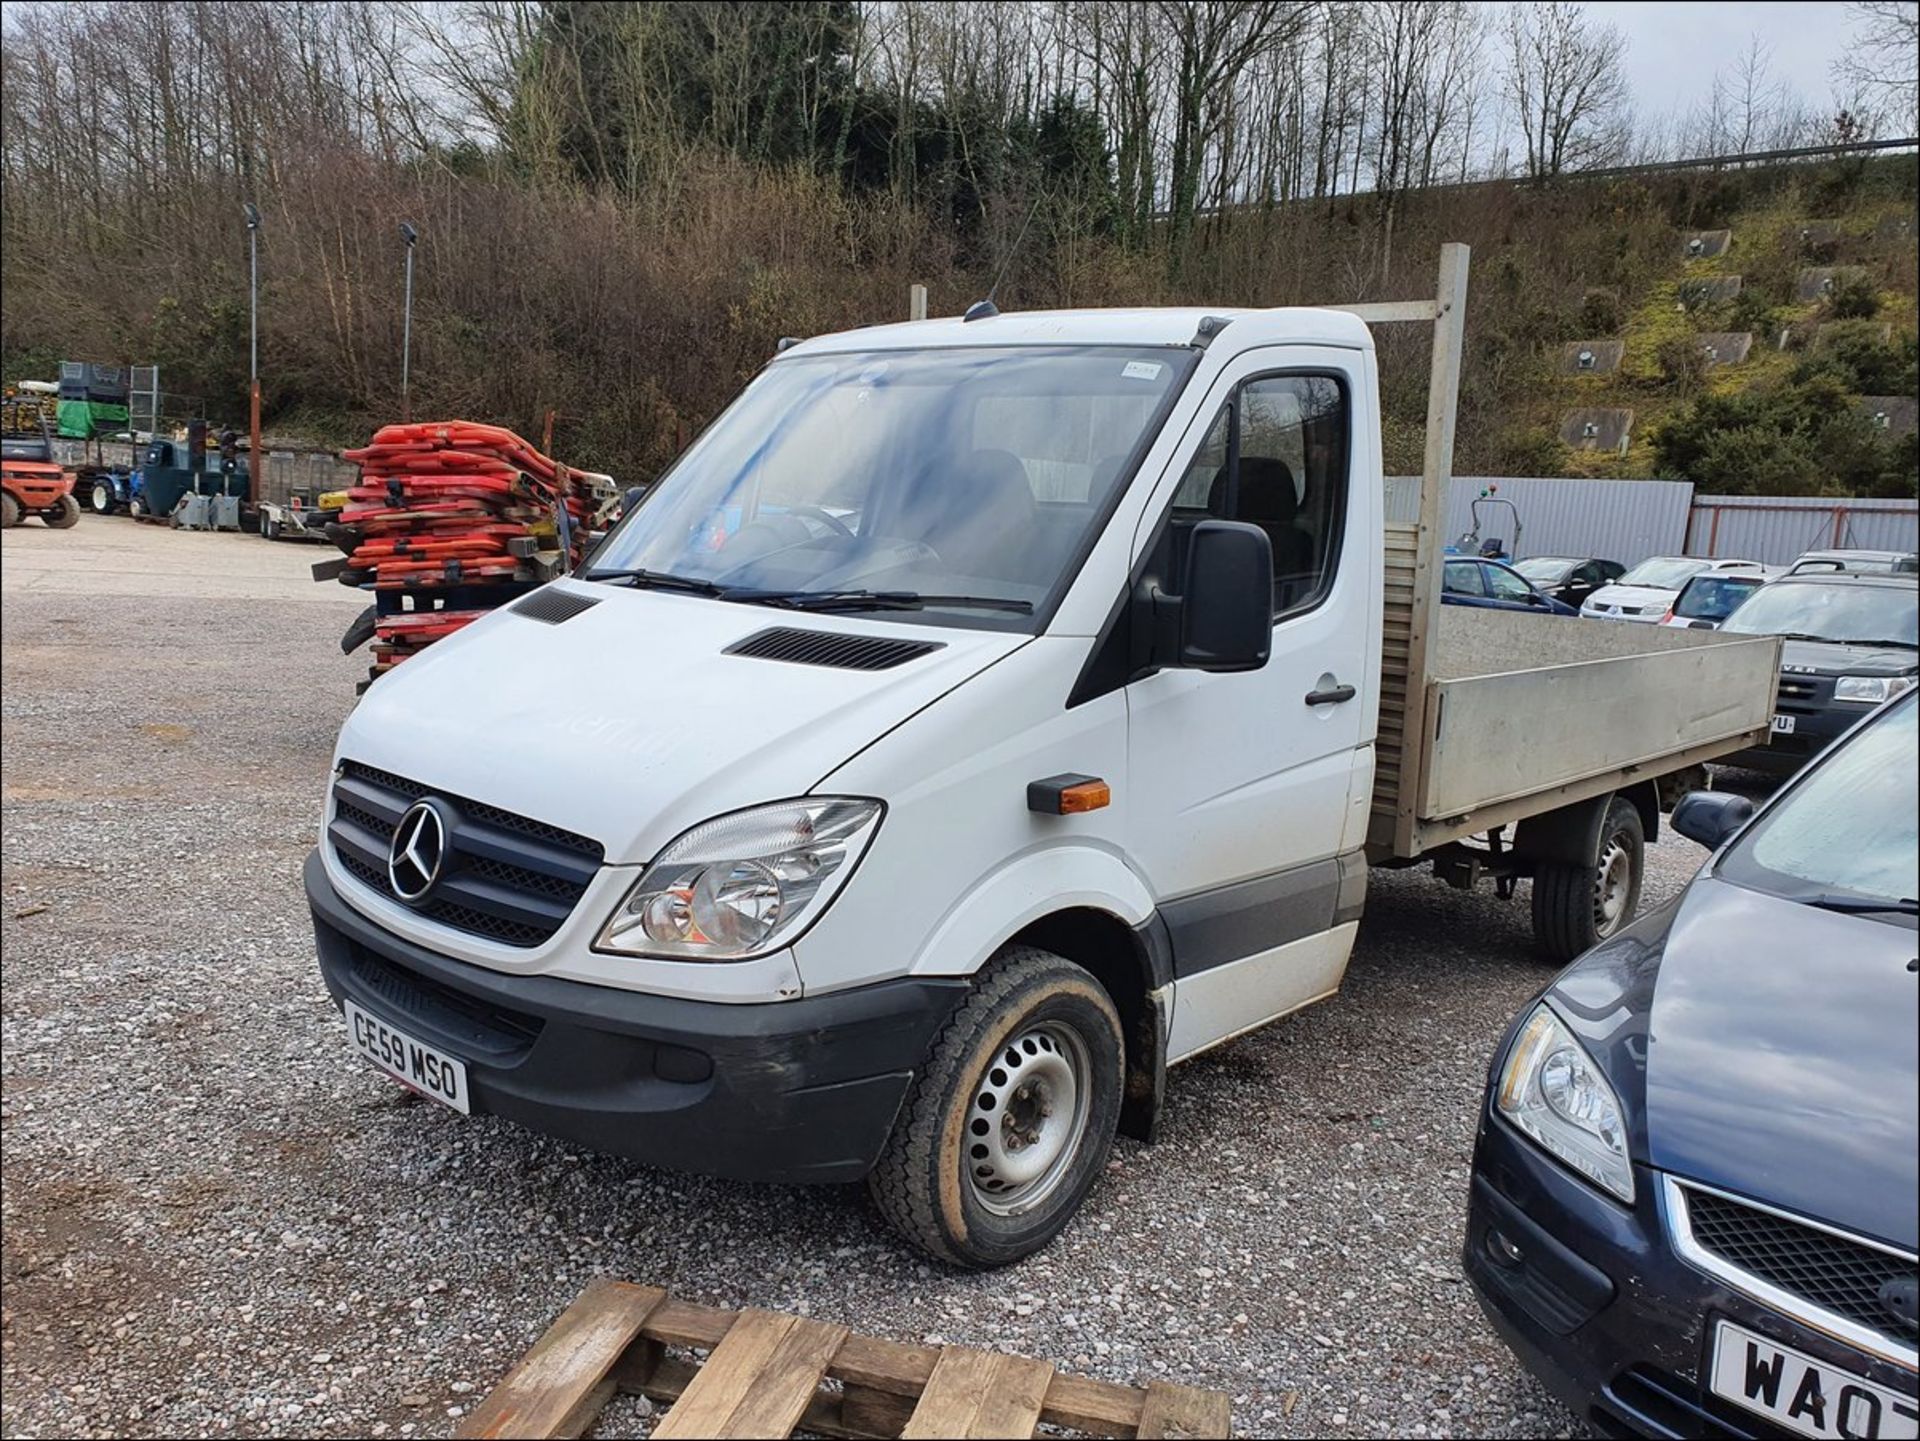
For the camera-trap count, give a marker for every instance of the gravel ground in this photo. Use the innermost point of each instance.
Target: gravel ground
(216, 1221)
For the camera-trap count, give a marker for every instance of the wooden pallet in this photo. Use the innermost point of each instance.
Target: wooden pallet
(768, 1374)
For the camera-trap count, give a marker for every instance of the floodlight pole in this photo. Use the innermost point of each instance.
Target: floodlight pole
(255, 460)
(409, 234)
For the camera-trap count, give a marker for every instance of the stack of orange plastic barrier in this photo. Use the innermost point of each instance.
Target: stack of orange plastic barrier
(445, 506)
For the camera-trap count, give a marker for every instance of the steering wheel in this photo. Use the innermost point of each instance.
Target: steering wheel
(817, 513)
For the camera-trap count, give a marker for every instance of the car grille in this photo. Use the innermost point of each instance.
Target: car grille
(506, 877)
(1836, 1273)
(1802, 695)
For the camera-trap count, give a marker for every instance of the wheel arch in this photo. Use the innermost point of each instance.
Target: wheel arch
(1133, 965)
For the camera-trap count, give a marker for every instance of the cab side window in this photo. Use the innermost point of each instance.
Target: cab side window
(1276, 457)
(1505, 585)
(1462, 577)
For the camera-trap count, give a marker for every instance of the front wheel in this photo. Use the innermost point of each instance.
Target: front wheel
(9, 511)
(65, 514)
(1575, 907)
(1009, 1122)
(101, 498)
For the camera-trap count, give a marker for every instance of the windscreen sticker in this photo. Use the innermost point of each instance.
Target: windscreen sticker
(1142, 370)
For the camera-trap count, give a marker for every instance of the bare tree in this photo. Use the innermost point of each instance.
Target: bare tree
(1565, 83)
(1883, 67)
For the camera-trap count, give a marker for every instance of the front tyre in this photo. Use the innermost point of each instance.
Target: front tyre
(101, 497)
(1575, 907)
(63, 515)
(1009, 1122)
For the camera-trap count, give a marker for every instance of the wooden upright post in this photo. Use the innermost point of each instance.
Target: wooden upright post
(1443, 405)
(256, 459)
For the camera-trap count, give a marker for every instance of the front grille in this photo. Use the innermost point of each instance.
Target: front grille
(1836, 1273)
(506, 877)
(1803, 695)
(477, 1026)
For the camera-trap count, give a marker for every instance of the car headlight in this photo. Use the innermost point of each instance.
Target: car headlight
(1872, 689)
(743, 884)
(1551, 1089)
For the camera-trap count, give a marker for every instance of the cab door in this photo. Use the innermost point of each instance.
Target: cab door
(1249, 791)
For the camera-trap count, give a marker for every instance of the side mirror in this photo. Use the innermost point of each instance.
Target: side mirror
(1709, 817)
(1226, 615)
(1535, 598)
(632, 497)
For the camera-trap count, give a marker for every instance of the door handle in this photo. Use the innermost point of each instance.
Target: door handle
(1334, 696)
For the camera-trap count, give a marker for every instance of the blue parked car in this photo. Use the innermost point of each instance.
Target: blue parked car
(1492, 586)
(1693, 1207)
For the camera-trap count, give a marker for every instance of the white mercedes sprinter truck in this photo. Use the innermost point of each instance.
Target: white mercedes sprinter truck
(981, 718)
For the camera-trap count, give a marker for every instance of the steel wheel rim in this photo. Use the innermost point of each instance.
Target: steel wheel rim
(102, 498)
(1027, 1117)
(1612, 884)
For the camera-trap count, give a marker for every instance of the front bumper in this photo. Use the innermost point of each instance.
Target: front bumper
(1599, 1307)
(802, 1090)
(1815, 727)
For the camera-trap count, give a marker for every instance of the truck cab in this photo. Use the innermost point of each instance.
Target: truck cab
(978, 720)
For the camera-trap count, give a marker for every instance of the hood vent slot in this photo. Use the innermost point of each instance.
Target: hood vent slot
(819, 647)
(552, 606)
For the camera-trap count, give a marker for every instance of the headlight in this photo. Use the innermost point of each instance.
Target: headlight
(1872, 689)
(742, 885)
(1551, 1089)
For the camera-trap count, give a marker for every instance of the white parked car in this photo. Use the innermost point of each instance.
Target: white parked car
(1646, 593)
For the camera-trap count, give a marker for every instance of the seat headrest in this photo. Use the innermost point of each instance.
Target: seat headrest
(1267, 494)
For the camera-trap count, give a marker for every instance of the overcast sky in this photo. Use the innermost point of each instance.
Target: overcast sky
(1673, 49)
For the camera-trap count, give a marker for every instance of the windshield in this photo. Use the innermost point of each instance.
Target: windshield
(1545, 569)
(1665, 572)
(1849, 828)
(1714, 597)
(943, 475)
(1827, 610)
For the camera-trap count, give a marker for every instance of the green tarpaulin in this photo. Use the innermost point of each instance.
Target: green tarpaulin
(84, 419)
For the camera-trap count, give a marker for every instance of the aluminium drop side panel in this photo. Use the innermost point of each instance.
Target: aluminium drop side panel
(1582, 706)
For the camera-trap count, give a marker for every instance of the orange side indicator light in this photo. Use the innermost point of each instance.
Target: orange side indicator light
(1068, 795)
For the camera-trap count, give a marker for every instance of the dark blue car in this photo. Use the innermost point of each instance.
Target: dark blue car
(1694, 1186)
(1492, 586)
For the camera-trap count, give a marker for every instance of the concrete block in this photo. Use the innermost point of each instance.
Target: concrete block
(1597, 428)
(1708, 290)
(1818, 282)
(1705, 244)
(1724, 347)
(1591, 357)
(1818, 239)
(1896, 414)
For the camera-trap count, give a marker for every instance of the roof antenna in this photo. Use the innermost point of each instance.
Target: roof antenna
(984, 309)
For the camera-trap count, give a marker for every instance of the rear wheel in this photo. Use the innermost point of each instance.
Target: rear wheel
(101, 498)
(66, 513)
(9, 511)
(1575, 907)
(1009, 1122)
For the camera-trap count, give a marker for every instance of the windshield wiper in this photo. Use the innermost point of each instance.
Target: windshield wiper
(828, 600)
(659, 580)
(1860, 905)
